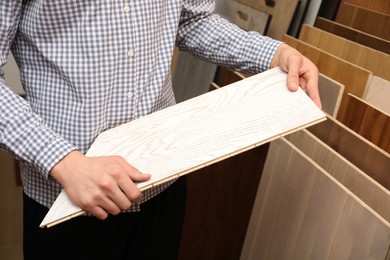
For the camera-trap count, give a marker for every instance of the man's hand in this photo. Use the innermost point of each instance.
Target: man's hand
(99, 185)
(301, 71)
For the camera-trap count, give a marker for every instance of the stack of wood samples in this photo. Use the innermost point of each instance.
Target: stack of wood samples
(303, 212)
(325, 191)
(353, 34)
(365, 20)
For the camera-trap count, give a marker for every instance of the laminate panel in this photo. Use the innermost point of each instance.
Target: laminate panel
(382, 6)
(354, 78)
(378, 94)
(331, 93)
(219, 205)
(368, 121)
(353, 34)
(11, 217)
(281, 12)
(363, 56)
(365, 20)
(354, 179)
(302, 212)
(204, 130)
(224, 76)
(366, 156)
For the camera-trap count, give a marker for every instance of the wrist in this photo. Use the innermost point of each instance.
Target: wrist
(65, 165)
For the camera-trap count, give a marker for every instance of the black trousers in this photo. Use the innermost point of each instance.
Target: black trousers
(152, 233)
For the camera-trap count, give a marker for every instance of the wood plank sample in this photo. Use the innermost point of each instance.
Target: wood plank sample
(204, 130)
(354, 179)
(354, 78)
(369, 122)
(219, 206)
(281, 14)
(376, 5)
(353, 34)
(302, 212)
(365, 20)
(378, 93)
(361, 55)
(331, 93)
(366, 156)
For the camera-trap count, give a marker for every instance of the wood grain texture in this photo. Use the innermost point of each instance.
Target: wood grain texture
(382, 6)
(219, 205)
(354, 78)
(354, 179)
(282, 13)
(368, 121)
(206, 129)
(366, 156)
(365, 20)
(353, 34)
(361, 55)
(302, 212)
(378, 93)
(331, 93)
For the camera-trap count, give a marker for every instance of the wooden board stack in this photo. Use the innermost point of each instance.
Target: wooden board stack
(325, 191)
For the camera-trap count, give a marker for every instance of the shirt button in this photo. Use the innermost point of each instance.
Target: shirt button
(126, 8)
(130, 53)
(129, 94)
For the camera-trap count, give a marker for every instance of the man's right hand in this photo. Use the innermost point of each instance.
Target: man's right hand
(99, 185)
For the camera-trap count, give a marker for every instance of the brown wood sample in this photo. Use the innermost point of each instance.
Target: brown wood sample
(382, 6)
(353, 34)
(369, 122)
(331, 93)
(281, 12)
(354, 179)
(354, 78)
(365, 20)
(378, 93)
(302, 212)
(361, 55)
(366, 156)
(219, 205)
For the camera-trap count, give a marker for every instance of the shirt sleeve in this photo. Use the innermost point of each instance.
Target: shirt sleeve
(23, 133)
(210, 37)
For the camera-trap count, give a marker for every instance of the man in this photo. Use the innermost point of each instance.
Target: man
(87, 66)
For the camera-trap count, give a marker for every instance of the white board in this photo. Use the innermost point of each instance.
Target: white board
(202, 130)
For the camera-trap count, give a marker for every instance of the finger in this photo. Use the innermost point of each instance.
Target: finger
(111, 206)
(314, 95)
(131, 171)
(293, 67)
(127, 185)
(99, 213)
(311, 87)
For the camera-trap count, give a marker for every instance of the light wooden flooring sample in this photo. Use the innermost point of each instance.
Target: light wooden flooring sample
(302, 212)
(203, 130)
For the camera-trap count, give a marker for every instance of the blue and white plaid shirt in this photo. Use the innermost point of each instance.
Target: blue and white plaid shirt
(87, 66)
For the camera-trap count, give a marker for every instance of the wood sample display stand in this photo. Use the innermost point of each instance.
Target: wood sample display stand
(302, 212)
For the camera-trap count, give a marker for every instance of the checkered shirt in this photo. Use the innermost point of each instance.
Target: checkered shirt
(87, 66)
